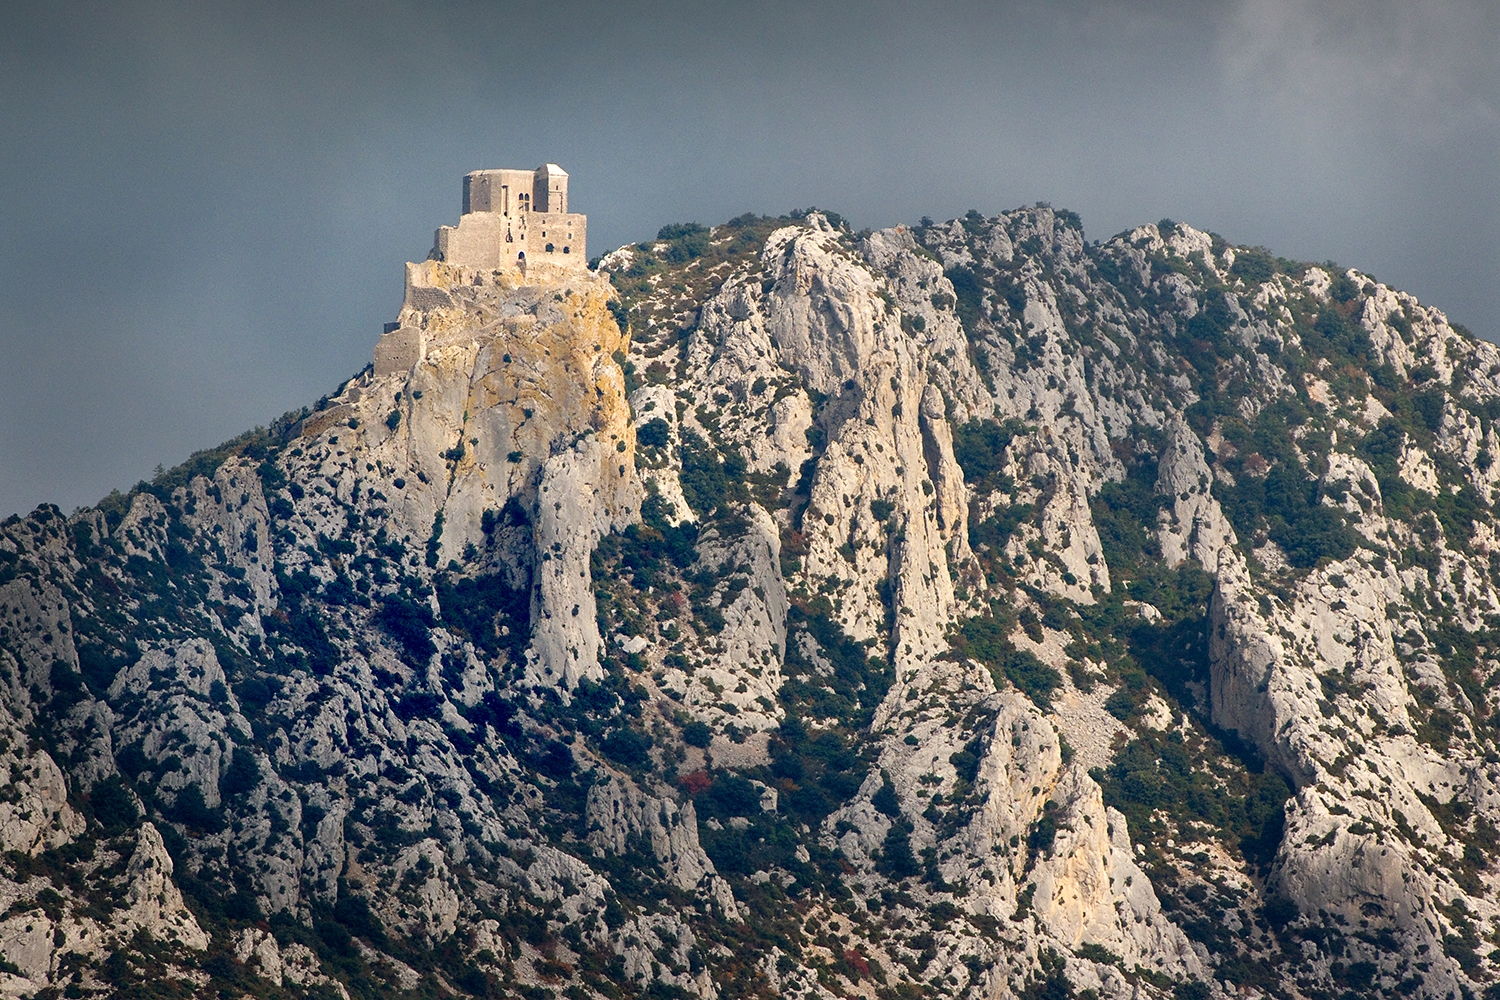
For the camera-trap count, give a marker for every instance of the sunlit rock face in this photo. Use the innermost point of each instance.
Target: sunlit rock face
(968, 609)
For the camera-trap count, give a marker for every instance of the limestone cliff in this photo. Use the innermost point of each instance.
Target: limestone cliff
(966, 609)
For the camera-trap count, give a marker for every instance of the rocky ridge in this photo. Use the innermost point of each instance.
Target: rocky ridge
(782, 610)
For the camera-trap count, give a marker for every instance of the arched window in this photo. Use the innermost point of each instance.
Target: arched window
(567, 249)
(521, 255)
(549, 247)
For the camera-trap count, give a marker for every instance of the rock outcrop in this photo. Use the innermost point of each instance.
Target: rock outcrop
(774, 609)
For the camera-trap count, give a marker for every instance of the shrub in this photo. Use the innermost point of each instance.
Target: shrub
(680, 230)
(708, 482)
(628, 747)
(1289, 504)
(729, 795)
(1052, 983)
(970, 295)
(896, 858)
(113, 805)
(687, 240)
(419, 705)
(621, 313)
(979, 446)
(478, 608)
(1125, 514)
(1429, 407)
(654, 433)
(885, 800)
(984, 639)
(966, 761)
(192, 811)
(99, 664)
(644, 548)
(856, 965)
(410, 624)
(1280, 911)
(1343, 288)
(1099, 953)
(1044, 830)
(1335, 337)
(1255, 265)
(242, 776)
(1163, 771)
(434, 541)
(555, 760)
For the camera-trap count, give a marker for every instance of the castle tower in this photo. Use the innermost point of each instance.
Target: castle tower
(512, 218)
(551, 189)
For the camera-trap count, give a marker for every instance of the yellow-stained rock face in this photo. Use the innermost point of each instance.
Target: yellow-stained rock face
(498, 398)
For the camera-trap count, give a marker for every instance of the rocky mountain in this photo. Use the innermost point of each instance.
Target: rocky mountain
(779, 610)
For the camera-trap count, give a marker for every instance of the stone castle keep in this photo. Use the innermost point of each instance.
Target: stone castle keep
(512, 218)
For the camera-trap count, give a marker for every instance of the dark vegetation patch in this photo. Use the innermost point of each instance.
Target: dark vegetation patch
(1254, 265)
(487, 611)
(979, 446)
(970, 295)
(985, 640)
(708, 480)
(1192, 778)
(410, 624)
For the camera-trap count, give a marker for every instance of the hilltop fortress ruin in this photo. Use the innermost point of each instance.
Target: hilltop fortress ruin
(512, 218)
(515, 230)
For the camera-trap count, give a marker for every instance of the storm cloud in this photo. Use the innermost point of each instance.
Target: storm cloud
(206, 207)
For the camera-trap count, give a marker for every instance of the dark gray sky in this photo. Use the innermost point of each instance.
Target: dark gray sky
(204, 208)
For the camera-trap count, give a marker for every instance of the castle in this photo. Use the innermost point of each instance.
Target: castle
(513, 217)
(513, 220)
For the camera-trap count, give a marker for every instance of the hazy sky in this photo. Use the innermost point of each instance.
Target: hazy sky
(204, 208)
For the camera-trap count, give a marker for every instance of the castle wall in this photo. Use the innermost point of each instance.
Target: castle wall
(508, 192)
(565, 233)
(398, 351)
(481, 239)
(491, 240)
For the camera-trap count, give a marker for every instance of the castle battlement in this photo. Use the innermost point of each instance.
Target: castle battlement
(512, 218)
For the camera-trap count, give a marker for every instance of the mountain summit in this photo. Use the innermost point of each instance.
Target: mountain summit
(778, 610)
